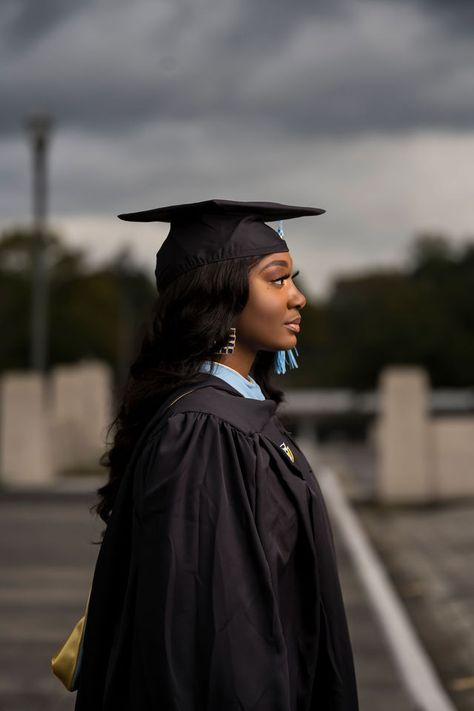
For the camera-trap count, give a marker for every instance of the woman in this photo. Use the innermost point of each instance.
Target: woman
(216, 585)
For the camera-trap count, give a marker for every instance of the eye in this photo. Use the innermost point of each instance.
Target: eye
(287, 276)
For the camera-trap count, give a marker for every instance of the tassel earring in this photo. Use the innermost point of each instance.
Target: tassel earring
(230, 345)
(280, 360)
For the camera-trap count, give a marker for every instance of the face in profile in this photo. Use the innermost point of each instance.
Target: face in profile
(274, 300)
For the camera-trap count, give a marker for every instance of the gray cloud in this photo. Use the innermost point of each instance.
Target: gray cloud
(457, 15)
(26, 21)
(356, 106)
(310, 69)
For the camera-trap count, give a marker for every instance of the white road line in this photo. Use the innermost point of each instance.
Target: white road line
(417, 672)
(44, 596)
(21, 513)
(43, 572)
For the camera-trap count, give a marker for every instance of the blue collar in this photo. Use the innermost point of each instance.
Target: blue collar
(248, 388)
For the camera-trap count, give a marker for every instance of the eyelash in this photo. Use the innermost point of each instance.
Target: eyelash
(283, 278)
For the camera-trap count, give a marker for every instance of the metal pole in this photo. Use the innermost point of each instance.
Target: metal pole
(39, 126)
(124, 316)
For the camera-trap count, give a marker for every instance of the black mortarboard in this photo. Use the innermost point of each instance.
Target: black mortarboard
(216, 230)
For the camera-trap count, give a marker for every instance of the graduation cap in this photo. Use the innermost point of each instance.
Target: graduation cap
(216, 230)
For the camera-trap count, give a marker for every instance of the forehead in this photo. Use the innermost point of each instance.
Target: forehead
(282, 259)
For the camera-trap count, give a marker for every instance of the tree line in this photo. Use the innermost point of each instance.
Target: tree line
(421, 312)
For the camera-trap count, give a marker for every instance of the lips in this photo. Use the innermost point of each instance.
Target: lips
(294, 324)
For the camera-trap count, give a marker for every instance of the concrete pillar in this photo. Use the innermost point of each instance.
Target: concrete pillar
(25, 456)
(81, 413)
(402, 437)
(453, 452)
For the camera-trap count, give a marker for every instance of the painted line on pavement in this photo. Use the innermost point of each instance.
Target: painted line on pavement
(416, 669)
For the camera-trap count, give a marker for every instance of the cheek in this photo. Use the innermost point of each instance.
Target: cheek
(265, 302)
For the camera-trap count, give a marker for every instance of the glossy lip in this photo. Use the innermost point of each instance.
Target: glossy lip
(294, 324)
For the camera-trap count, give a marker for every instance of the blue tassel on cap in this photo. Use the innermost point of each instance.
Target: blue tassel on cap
(280, 360)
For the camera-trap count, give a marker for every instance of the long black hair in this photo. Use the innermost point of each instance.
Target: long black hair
(191, 319)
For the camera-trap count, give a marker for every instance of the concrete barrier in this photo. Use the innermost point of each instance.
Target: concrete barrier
(452, 451)
(80, 411)
(402, 446)
(54, 424)
(25, 451)
(419, 457)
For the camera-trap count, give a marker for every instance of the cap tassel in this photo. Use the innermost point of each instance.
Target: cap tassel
(280, 360)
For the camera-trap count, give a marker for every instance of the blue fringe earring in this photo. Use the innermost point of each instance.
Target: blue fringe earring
(280, 357)
(280, 360)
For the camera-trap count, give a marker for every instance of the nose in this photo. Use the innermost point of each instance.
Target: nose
(296, 299)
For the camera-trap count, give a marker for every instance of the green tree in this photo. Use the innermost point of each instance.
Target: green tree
(93, 311)
(421, 313)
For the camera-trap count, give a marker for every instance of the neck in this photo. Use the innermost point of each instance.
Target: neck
(238, 361)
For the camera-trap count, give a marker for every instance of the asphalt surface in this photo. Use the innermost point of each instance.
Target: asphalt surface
(428, 552)
(46, 567)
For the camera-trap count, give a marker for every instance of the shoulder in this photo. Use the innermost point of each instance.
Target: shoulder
(224, 405)
(191, 446)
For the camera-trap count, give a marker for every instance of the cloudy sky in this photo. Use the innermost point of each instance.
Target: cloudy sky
(363, 107)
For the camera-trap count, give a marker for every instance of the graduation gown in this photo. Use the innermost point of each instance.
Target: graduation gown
(216, 585)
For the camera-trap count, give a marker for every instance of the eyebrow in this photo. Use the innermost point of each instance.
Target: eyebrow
(279, 262)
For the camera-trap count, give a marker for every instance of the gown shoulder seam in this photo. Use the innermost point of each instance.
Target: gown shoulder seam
(248, 433)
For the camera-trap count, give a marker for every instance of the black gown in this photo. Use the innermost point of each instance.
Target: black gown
(216, 585)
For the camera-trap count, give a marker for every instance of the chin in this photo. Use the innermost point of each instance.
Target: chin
(289, 343)
(284, 345)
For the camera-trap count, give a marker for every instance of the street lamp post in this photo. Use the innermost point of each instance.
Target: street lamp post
(39, 126)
